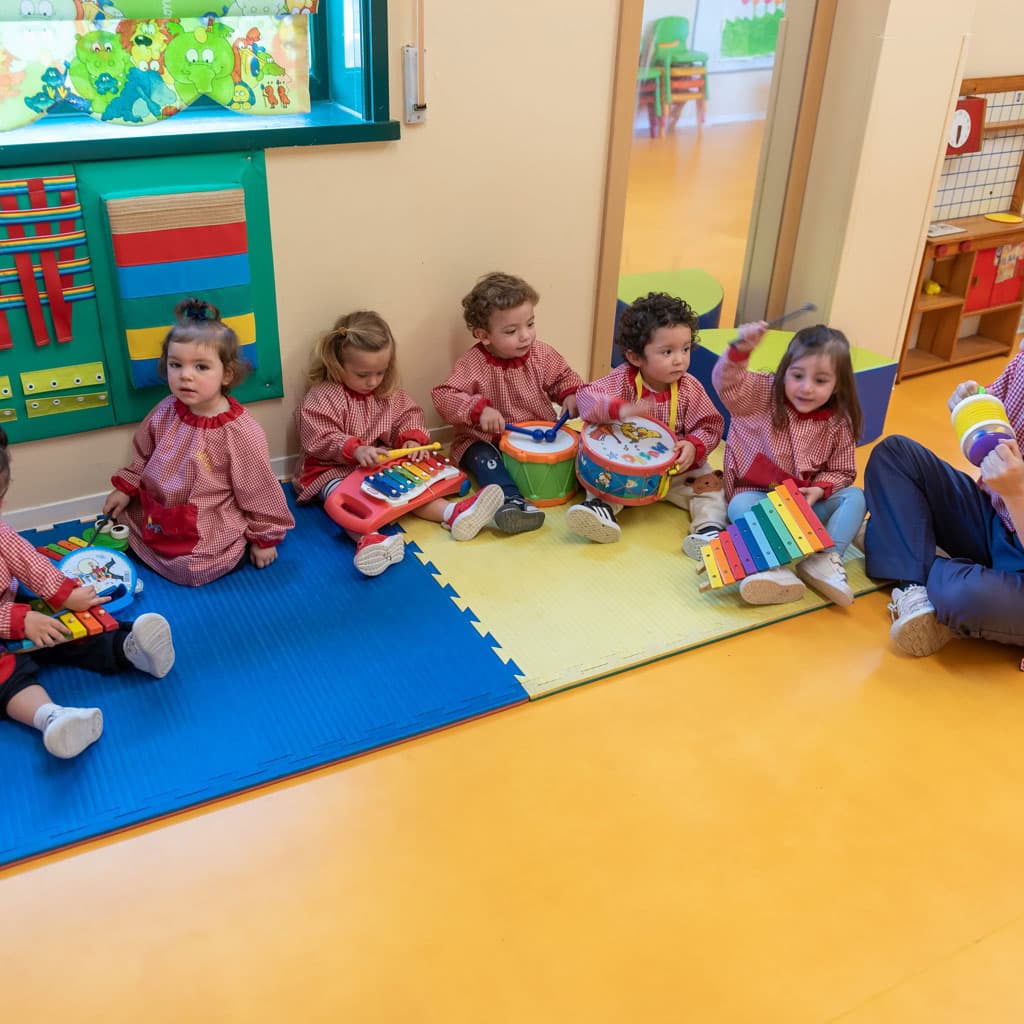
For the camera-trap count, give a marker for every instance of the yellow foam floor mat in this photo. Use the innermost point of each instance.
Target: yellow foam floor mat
(568, 611)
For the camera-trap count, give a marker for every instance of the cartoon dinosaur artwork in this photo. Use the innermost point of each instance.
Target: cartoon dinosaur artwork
(95, 10)
(201, 61)
(252, 58)
(99, 68)
(243, 98)
(145, 93)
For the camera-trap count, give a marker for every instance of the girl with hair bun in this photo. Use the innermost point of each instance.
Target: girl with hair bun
(199, 492)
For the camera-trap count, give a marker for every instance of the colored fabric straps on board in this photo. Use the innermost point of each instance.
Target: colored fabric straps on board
(52, 234)
(170, 245)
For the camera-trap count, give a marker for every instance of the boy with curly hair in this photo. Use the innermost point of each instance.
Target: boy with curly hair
(508, 376)
(657, 334)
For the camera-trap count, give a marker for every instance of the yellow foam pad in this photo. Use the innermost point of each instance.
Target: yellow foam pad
(568, 611)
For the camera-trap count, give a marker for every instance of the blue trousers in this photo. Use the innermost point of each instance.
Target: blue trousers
(484, 462)
(841, 513)
(917, 501)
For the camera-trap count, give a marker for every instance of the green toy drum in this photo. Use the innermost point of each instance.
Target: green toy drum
(544, 471)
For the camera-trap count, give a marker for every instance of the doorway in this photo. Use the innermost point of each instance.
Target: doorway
(690, 188)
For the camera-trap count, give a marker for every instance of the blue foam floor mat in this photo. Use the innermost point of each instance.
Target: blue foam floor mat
(278, 671)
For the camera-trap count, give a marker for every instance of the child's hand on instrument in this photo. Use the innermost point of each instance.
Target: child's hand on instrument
(44, 631)
(491, 421)
(1003, 470)
(117, 501)
(83, 598)
(685, 454)
(262, 557)
(368, 455)
(415, 456)
(965, 390)
(750, 335)
(570, 406)
(812, 494)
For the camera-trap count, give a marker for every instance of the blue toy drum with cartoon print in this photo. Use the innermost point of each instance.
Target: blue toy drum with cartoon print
(626, 461)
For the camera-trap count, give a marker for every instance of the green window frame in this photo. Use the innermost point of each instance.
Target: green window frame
(350, 103)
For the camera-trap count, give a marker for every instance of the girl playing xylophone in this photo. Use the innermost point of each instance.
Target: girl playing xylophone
(801, 423)
(199, 490)
(145, 645)
(352, 414)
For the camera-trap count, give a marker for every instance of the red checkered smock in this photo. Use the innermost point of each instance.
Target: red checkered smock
(202, 489)
(20, 562)
(333, 422)
(1009, 389)
(697, 419)
(523, 388)
(815, 449)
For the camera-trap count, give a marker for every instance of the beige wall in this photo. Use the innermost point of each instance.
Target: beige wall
(507, 172)
(995, 44)
(888, 91)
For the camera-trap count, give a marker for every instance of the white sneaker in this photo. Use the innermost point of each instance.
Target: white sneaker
(149, 647)
(825, 573)
(375, 553)
(470, 515)
(693, 542)
(915, 629)
(594, 520)
(773, 586)
(69, 731)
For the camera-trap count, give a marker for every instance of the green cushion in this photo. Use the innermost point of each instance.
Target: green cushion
(697, 287)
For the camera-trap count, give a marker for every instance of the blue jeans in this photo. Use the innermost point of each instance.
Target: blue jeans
(484, 462)
(841, 514)
(918, 501)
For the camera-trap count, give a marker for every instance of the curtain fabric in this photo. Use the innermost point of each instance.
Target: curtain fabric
(133, 63)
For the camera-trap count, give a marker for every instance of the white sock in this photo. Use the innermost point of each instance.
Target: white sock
(42, 715)
(446, 517)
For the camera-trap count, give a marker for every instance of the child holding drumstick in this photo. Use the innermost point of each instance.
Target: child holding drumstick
(352, 414)
(656, 335)
(508, 376)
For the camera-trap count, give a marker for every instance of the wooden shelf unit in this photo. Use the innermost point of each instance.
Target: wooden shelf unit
(952, 262)
(938, 319)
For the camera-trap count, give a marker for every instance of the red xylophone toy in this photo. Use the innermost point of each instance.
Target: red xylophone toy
(368, 499)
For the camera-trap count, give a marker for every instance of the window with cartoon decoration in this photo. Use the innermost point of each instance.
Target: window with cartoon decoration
(135, 62)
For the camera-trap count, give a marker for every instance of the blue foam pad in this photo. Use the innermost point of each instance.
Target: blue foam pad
(280, 670)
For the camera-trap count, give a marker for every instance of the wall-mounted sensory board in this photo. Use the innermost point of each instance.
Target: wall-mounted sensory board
(93, 258)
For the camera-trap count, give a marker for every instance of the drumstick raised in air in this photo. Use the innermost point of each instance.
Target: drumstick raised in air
(552, 432)
(807, 307)
(397, 453)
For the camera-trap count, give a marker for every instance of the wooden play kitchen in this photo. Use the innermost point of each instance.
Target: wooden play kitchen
(969, 286)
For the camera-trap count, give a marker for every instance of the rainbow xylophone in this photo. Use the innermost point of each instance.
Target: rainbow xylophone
(78, 625)
(370, 498)
(779, 529)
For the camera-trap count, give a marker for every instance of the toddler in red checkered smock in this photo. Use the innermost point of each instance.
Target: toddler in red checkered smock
(144, 644)
(657, 334)
(508, 376)
(355, 413)
(200, 492)
(802, 423)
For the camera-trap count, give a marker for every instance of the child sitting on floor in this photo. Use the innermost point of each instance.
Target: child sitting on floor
(657, 334)
(145, 644)
(974, 587)
(200, 490)
(353, 413)
(508, 376)
(800, 422)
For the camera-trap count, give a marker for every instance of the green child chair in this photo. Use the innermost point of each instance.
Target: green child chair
(684, 71)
